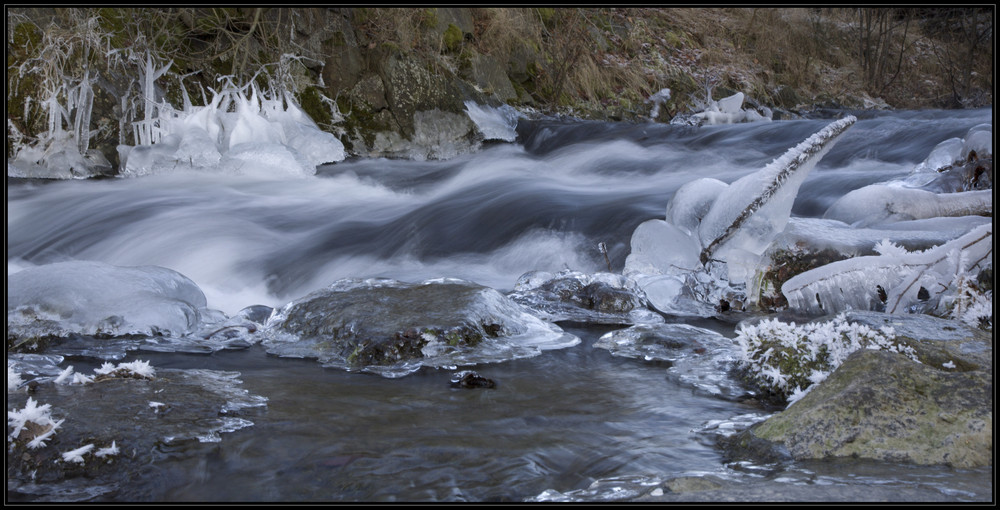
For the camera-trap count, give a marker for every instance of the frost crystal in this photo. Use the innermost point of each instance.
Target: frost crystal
(77, 455)
(787, 359)
(109, 450)
(39, 416)
(13, 379)
(137, 369)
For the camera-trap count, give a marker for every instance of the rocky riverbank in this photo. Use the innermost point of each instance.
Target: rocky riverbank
(393, 82)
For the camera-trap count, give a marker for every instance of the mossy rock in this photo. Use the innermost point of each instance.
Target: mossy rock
(384, 322)
(883, 406)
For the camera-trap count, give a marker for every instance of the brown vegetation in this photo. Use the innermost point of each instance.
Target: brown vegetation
(590, 62)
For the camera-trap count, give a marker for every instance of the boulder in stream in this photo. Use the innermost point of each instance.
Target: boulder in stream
(882, 405)
(393, 328)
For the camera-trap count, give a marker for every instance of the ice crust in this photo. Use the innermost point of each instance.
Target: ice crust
(93, 298)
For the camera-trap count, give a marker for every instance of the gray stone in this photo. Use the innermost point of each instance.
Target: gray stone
(693, 484)
(383, 322)
(489, 74)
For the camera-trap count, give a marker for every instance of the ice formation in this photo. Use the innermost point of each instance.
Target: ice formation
(138, 369)
(728, 110)
(93, 298)
(39, 416)
(394, 328)
(204, 138)
(658, 99)
(913, 234)
(237, 132)
(602, 298)
(883, 203)
(494, 123)
(107, 450)
(753, 210)
(978, 140)
(77, 454)
(911, 281)
(708, 223)
(13, 378)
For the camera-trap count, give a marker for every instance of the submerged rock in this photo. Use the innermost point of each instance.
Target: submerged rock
(393, 328)
(470, 379)
(112, 429)
(884, 406)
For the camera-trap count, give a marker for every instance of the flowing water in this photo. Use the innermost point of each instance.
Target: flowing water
(574, 423)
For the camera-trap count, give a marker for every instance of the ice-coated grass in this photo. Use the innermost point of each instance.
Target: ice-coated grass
(786, 359)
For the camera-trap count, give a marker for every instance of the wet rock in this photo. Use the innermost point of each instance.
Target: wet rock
(363, 324)
(139, 416)
(693, 484)
(470, 379)
(883, 406)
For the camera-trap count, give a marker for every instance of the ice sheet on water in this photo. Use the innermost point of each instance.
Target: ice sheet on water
(663, 342)
(495, 123)
(700, 358)
(93, 298)
(619, 488)
(134, 415)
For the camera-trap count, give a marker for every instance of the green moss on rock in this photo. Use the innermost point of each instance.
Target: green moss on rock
(452, 37)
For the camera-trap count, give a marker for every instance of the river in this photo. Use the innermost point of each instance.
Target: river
(575, 423)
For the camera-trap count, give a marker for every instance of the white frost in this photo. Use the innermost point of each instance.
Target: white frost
(108, 450)
(77, 454)
(13, 379)
(39, 415)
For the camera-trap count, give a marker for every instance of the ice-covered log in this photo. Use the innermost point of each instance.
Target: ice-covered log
(897, 278)
(883, 203)
(753, 210)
